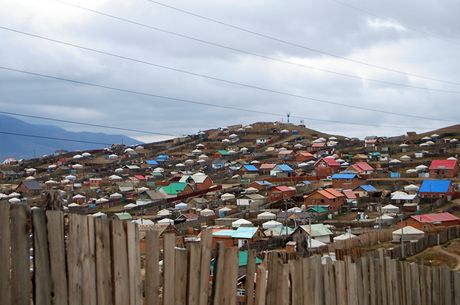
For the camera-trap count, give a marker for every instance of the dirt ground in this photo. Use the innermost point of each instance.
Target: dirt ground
(448, 254)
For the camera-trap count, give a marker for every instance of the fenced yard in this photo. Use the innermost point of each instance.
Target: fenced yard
(48, 258)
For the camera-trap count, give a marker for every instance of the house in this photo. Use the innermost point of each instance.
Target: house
(330, 197)
(250, 200)
(399, 197)
(373, 142)
(361, 168)
(221, 153)
(280, 192)
(9, 175)
(431, 222)
(261, 185)
(346, 181)
(198, 181)
(316, 231)
(286, 155)
(249, 169)
(30, 187)
(365, 190)
(175, 189)
(239, 237)
(162, 158)
(437, 189)
(265, 168)
(444, 169)
(326, 167)
(282, 170)
(350, 198)
(304, 156)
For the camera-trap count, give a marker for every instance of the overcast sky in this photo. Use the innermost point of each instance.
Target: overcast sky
(420, 37)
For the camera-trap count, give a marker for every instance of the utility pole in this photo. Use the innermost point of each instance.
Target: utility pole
(288, 116)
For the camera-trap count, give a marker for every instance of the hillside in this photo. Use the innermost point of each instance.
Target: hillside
(449, 131)
(27, 147)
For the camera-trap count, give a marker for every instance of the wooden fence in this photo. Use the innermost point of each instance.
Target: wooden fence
(49, 258)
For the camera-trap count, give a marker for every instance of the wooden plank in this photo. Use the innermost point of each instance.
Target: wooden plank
(120, 264)
(435, 295)
(87, 244)
(206, 240)
(74, 264)
(134, 264)
(20, 263)
(317, 270)
(219, 276)
(57, 252)
(422, 284)
(446, 285)
(283, 277)
(104, 284)
(5, 261)
(261, 286)
(394, 283)
(456, 283)
(372, 284)
(180, 276)
(42, 270)
(231, 275)
(383, 284)
(340, 282)
(408, 283)
(388, 281)
(365, 280)
(415, 279)
(326, 285)
(295, 270)
(168, 268)
(307, 282)
(152, 268)
(194, 274)
(250, 273)
(273, 264)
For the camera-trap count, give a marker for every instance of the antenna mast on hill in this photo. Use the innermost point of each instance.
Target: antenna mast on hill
(288, 116)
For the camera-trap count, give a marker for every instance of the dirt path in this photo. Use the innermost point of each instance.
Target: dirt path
(456, 256)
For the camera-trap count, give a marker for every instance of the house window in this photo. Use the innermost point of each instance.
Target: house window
(322, 200)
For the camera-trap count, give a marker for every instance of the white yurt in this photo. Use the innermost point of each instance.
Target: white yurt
(227, 196)
(99, 215)
(116, 196)
(266, 215)
(411, 188)
(70, 177)
(130, 206)
(181, 206)
(115, 178)
(14, 194)
(408, 233)
(165, 222)
(143, 222)
(421, 168)
(271, 224)
(207, 213)
(390, 209)
(404, 158)
(241, 223)
(14, 200)
(344, 236)
(164, 212)
(86, 154)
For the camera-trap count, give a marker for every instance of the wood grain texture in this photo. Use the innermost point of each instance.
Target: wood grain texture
(152, 268)
(5, 260)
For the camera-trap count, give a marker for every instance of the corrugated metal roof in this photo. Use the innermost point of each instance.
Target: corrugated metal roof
(435, 186)
(435, 217)
(317, 229)
(343, 176)
(443, 164)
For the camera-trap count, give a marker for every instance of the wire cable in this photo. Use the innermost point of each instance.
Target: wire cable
(241, 51)
(53, 138)
(301, 46)
(188, 101)
(85, 124)
(307, 98)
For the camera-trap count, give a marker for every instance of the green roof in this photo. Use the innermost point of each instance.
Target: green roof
(317, 209)
(317, 229)
(174, 188)
(123, 216)
(223, 152)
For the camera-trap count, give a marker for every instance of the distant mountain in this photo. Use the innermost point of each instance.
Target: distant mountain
(27, 147)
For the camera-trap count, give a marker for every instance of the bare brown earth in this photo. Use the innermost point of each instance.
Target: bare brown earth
(448, 254)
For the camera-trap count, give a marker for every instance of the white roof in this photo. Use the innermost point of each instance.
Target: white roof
(145, 222)
(165, 221)
(227, 196)
(197, 178)
(130, 206)
(314, 243)
(116, 195)
(411, 187)
(14, 194)
(207, 212)
(271, 224)
(224, 209)
(78, 196)
(402, 196)
(164, 212)
(266, 215)
(390, 207)
(14, 200)
(115, 177)
(73, 205)
(240, 222)
(408, 230)
(344, 236)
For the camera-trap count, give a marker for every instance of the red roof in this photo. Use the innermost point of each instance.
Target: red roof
(267, 166)
(139, 177)
(435, 217)
(284, 188)
(364, 166)
(329, 161)
(335, 192)
(349, 194)
(318, 145)
(443, 164)
(327, 194)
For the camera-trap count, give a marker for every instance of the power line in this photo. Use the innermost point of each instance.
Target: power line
(301, 46)
(52, 138)
(307, 98)
(148, 94)
(241, 51)
(84, 124)
(367, 12)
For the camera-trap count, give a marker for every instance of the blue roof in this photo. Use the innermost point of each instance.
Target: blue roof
(435, 186)
(285, 168)
(264, 182)
(344, 176)
(250, 168)
(151, 162)
(162, 157)
(245, 232)
(368, 188)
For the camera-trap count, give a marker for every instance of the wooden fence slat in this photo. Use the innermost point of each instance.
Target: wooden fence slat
(340, 282)
(20, 262)
(180, 276)
(57, 252)
(231, 275)
(169, 240)
(219, 275)
(317, 271)
(456, 283)
(194, 275)
(89, 264)
(152, 268)
(283, 277)
(74, 264)
(42, 270)
(104, 282)
(120, 264)
(307, 282)
(296, 270)
(273, 264)
(250, 272)
(134, 264)
(261, 286)
(206, 240)
(446, 287)
(5, 260)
